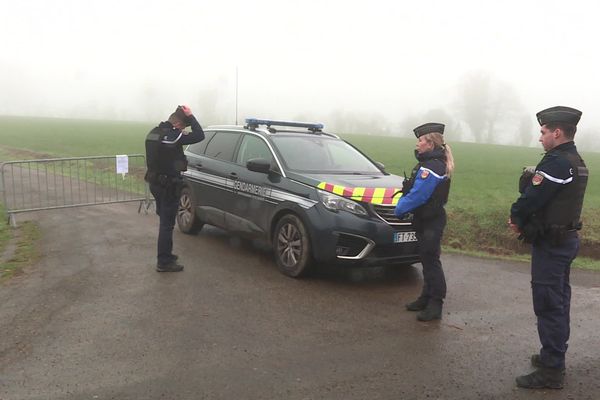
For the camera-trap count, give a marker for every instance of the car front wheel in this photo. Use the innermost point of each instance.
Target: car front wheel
(187, 221)
(291, 244)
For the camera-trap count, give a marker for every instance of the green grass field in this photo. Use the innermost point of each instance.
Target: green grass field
(483, 187)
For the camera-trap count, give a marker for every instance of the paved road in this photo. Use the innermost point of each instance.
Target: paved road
(93, 320)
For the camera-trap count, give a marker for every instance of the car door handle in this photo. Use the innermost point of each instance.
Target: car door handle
(196, 166)
(233, 175)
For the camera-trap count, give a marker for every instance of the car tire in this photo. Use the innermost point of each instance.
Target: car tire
(187, 221)
(291, 244)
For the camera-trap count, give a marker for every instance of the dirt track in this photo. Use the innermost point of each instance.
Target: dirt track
(93, 320)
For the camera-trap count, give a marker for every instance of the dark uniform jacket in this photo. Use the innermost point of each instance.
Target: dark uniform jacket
(164, 149)
(426, 191)
(553, 198)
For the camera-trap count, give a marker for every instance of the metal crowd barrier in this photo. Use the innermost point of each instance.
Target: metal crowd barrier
(34, 185)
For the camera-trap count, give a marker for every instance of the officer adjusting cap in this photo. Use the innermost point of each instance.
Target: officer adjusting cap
(562, 114)
(180, 115)
(429, 128)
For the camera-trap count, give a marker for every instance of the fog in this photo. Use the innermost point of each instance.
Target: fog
(379, 67)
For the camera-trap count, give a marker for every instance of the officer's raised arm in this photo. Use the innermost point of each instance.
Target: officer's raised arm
(197, 133)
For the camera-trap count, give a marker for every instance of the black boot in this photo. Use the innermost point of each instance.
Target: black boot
(542, 378)
(171, 266)
(536, 361)
(432, 311)
(418, 305)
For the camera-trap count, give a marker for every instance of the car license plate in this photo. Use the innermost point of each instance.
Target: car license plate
(403, 237)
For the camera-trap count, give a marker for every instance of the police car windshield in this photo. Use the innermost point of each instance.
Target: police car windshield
(322, 154)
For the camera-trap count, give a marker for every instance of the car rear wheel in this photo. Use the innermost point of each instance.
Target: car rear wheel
(291, 244)
(187, 221)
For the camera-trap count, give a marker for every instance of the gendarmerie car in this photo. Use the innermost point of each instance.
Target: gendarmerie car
(316, 198)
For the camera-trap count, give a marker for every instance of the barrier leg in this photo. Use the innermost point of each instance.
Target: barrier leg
(11, 220)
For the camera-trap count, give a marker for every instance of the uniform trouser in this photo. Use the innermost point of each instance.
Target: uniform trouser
(167, 204)
(550, 268)
(429, 235)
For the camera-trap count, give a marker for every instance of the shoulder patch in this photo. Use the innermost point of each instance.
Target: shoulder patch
(537, 179)
(424, 174)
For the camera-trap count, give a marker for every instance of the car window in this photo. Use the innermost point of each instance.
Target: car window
(253, 147)
(222, 145)
(322, 154)
(200, 147)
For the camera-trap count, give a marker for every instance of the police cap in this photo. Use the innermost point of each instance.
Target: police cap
(429, 128)
(566, 115)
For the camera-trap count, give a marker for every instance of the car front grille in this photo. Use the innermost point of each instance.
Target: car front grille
(386, 213)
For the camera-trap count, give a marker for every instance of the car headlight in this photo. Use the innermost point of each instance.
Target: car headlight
(334, 202)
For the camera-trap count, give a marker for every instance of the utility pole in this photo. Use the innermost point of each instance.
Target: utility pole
(236, 94)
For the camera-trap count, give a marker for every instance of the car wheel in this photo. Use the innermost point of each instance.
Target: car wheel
(292, 247)
(187, 221)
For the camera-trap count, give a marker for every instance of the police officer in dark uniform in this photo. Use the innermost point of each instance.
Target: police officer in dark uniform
(547, 215)
(424, 194)
(165, 161)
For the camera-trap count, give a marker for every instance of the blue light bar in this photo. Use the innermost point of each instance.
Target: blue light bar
(254, 122)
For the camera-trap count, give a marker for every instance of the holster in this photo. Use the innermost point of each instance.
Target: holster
(169, 183)
(556, 234)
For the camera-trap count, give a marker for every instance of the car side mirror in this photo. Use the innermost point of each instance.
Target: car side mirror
(259, 165)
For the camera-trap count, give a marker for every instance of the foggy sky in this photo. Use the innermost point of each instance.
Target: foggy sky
(137, 59)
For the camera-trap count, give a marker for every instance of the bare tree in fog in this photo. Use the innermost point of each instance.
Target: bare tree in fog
(504, 113)
(474, 101)
(452, 131)
(490, 108)
(525, 132)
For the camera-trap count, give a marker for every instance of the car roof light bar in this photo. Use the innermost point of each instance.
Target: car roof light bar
(254, 123)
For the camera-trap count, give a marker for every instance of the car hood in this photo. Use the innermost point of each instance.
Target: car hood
(376, 189)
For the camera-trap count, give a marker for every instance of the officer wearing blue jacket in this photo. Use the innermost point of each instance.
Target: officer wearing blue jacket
(424, 195)
(547, 215)
(165, 161)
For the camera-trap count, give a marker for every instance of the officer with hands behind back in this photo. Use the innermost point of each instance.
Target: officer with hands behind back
(547, 215)
(165, 161)
(424, 194)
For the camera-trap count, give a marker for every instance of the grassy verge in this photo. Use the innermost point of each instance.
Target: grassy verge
(5, 233)
(24, 238)
(580, 262)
